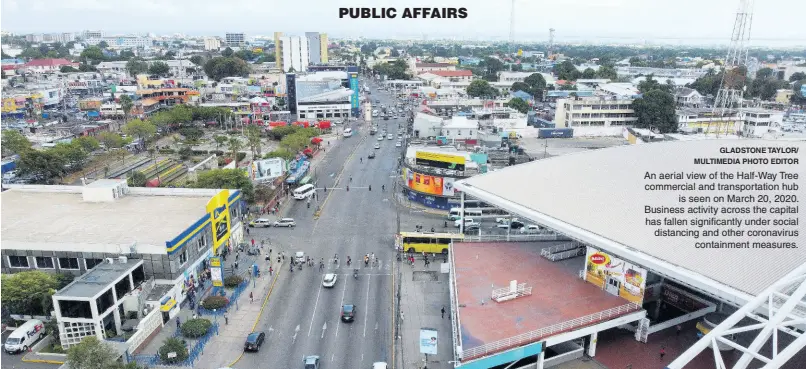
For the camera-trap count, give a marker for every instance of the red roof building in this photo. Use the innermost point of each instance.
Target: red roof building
(48, 65)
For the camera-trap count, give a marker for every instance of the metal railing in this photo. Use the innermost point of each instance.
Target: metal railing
(236, 293)
(513, 237)
(535, 335)
(559, 248)
(194, 352)
(506, 293)
(565, 254)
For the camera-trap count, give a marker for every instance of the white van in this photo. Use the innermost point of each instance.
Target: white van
(303, 192)
(348, 132)
(24, 337)
(456, 213)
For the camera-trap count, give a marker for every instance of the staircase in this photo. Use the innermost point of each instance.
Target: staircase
(563, 251)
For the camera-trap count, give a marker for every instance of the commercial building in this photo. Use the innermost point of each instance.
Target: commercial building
(212, 43)
(278, 51)
(317, 47)
(749, 122)
(324, 95)
(429, 173)
(595, 111)
(170, 232)
(235, 39)
(512, 77)
(120, 42)
(48, 65)
(295, 54)
(176, 67)
(418, 68)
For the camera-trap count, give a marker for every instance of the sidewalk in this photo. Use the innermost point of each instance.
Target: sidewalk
(423, 292)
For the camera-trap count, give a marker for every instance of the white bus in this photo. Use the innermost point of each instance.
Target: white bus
(304, 192)
(456, 213)
(348, 132)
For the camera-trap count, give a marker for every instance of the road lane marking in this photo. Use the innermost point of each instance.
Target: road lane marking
(314, 310)
(296, 330)
(332, 358)
(324, 328)
(343, 292)
(366, 309)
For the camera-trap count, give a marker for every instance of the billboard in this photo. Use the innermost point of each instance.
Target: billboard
(218, 208)
(428, 341)
(440, 160)
(424, 183)
(616, 276)
(267, 169)
(216, 272)
(356, 97)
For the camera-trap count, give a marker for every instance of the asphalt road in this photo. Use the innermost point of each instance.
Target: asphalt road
(9, 361)
(303, 318)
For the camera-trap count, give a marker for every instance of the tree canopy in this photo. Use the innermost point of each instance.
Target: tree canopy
(92, 353)
(140, 129)
(159, 68)
(393, 70)
(220, 67)
(481, 88)
(227, 179)
(135, 67)
(29, 292)
(566, 71)
(42, 166)
(14, 142)
(656, 110)
(519, 104)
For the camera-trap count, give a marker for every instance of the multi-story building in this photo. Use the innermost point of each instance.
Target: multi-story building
(688, 97)
(87, 35)
(122, 42)
(749, 122)
(235, 39)
(323, 95)
(512, 77)
(295, 53)
(212, 43)
(317, 47)
(596, 111)
(278, 51)
(51, 37)
(176, 68)
(166, 97)
(463, 75)
(430, 67)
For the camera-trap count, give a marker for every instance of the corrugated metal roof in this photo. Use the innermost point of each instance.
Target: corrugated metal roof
(602, 192)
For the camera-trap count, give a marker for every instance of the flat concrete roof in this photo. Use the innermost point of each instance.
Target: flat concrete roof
(600, 195)
(34, 217)
(558, 294)
(98, 279)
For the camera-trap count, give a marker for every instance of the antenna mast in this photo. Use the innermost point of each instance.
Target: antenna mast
(551, 43)
(730, 93)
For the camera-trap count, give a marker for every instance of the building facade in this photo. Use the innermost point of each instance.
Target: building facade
(317, 47)
(295, 54)
(212, 43)
(594, 112)
(235, 39)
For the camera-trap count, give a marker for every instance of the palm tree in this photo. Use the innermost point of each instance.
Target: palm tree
(235, 146)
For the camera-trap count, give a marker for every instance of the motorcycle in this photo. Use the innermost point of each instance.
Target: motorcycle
(355, 273)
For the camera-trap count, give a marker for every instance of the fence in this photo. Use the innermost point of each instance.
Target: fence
(514, 237)
(559, 248)
(565, 254)
(534, 336)
(194, 352)
(236, 293)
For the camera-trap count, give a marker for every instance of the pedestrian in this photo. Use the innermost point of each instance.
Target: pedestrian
(271, 270)
(253, 242)
(662, 352)
(247, 231)
(679, 328)
(370, 187)
(283, 254)
(251, 298)
(178, 323)
(226, 318)
(443, 312)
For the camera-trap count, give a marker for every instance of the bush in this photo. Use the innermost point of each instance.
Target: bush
(232, 281)
(215, 302)
(167, 151)
(196, 328)
(234, 132)
(173, 345)
(217, 152)
(241, 156)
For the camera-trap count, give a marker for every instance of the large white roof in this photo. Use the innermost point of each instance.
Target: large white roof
(599, 197)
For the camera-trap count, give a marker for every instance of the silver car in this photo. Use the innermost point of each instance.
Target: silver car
(285, 222)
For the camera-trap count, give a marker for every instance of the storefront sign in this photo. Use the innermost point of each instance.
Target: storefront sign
(615, 276)
(424, 183)
(216, 272)
(218, 208)
(428, 341)
(440, 160)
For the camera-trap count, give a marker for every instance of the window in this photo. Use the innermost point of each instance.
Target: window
(201, 242)
(91, 263)
(44, 262)
(18, 261)
(68, 263)
(183, 257)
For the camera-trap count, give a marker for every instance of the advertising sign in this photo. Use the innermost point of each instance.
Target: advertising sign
(428, 341)
(440, 160)
(356, 97)
(218, 208)
(615, 276)
(267, 169)
(433, 202)
(447, 186)
(424, 183)
(216, 272)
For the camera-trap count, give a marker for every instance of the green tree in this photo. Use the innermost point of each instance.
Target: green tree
(797, 76)
(88, 143)
(394, 53)
(607, 72)
(191, 133)
(110, 140)
(253, 137)
(14, 142)
(92, 353)
(650, 84)
(126, 54)
(135, 67)
(235, 145)
(519, 105)
(137, 179)
(229, 179)
(140, 129)
(764, 73)
(29, 292)
(67, 69)
(521, 86)
(588, 73)
(73, 153)
(536, 83)
(126, 104)
(176, 346)
(656, 110)
(93, 54)
(220, 67)
(227, 52)
(220, 141)
(197, 59)
(43, 166)
(244, 54)
(84, 67)
(566, 71)
(159, 68)
(481, 88)
(103, 45)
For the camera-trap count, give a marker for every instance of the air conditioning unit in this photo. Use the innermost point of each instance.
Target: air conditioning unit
(123, 259)
(110, 260)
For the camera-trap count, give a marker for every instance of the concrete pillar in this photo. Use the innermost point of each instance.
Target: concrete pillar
(592, 347)
(118, 322)
(541, 360)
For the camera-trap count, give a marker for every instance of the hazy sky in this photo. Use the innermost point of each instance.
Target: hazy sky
(776, 22)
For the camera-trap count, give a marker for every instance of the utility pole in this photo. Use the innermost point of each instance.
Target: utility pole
(511, 30)
(550, 51)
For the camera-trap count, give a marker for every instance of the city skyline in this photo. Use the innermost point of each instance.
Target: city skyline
(592, 21)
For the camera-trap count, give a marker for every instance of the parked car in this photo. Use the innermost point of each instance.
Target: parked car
(347, 313)
(253, 341)
(377, 146)
(329, 280)
(398, 144)
(285, 222)
(468, 221)
(371, 155)
(379, 365)
(260, 223)
(390, 137)
(530, 228)
(380, 138)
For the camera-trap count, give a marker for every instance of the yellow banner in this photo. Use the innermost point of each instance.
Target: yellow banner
(445, 158)
(218, 208)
